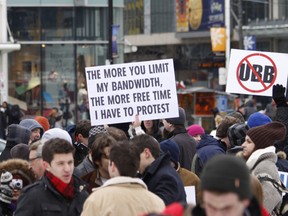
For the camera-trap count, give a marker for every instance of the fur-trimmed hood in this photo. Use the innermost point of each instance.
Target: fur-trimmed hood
(20, 169)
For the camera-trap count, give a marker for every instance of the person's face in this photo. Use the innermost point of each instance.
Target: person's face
(103, 164)
(62, 166)
(145, 160)
(148, 124)
(248, 147)
(36, 164)
(226, 204)
(35, 134)
(197, 137)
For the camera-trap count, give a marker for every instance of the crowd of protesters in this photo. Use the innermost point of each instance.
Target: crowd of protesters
(142, 168)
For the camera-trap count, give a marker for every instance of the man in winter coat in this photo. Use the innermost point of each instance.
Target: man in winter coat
(156, 170)
(177, 132)
(58, 192)
(123, 194)
(226, 187)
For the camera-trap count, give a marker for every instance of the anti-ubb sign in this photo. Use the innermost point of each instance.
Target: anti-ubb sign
(255, 72)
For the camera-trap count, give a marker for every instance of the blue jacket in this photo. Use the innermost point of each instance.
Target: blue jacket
(163, 180)
(206, 149)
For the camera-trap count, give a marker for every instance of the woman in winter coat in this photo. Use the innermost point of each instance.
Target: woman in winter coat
(259, 151)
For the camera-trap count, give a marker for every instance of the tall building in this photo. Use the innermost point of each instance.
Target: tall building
(181, 30)
(58, 38)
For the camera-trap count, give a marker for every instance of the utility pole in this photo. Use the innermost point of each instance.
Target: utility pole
(228, 32)
(110, 26)
(240, 24)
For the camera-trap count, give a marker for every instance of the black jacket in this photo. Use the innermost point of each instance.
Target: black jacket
(187, 146)
(163, 180)
(41, 198)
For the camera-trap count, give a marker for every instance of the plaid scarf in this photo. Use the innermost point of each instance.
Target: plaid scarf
(67, 190)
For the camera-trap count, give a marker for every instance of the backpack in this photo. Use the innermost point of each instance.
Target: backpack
(283, 210)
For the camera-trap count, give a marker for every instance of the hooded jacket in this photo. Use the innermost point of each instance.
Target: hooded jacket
(16, 134)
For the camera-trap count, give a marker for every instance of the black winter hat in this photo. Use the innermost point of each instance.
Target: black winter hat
(226, 173)
(266, 135)
(178, 120)
(237, 133)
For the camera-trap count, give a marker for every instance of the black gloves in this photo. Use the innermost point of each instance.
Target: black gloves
(279, 95)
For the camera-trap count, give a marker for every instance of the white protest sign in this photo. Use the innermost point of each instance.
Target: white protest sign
(255, 72)
(190, 194)
(118, 92)
(284, 178)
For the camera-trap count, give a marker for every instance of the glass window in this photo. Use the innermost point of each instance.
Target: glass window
(24, 23)
(24, 76)
(56, 23)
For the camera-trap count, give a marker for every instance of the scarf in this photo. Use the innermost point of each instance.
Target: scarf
(67, 190)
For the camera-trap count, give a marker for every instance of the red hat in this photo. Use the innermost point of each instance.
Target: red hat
(43, 122)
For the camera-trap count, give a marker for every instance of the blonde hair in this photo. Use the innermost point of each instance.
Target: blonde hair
(257, 189)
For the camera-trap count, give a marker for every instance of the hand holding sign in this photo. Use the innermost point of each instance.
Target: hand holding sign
(279, 95)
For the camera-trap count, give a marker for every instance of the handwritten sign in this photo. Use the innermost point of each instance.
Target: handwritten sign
(118, 92)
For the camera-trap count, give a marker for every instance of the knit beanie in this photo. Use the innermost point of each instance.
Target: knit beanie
(43, 122)
(20, 151)
(171, 147)
(237, 115)
(178, 120)
(57, 133)
(222, 129)
(93, 132)
(258, 119)
(195, 129)
(226, 173)
(237, 133)
(32, 124)
(266, 135)
(18, 134)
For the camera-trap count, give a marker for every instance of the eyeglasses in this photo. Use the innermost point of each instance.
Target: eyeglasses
(33, 159)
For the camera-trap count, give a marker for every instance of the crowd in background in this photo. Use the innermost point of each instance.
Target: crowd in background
(143, 167)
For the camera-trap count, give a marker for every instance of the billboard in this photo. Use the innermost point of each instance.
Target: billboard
(199, 15)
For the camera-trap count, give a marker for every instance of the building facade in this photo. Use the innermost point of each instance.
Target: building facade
(58, 38)
(181, 30)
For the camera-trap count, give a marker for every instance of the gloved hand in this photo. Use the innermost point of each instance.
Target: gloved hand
(279, 95)
(6, 192)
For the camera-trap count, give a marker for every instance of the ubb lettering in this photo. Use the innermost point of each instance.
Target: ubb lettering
(266, 75)
(249, 73)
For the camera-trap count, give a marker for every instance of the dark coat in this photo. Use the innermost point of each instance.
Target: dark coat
(42, 199)
(206, 149)
(187, 146)
(163, 180)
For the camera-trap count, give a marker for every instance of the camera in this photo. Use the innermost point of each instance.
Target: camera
(16, 184)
